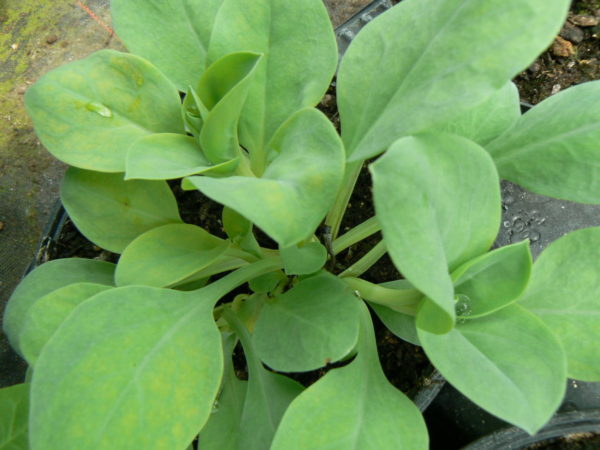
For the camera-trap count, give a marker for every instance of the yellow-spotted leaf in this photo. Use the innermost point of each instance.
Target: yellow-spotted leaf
(173, 34)
(133, 367)
(89, 112)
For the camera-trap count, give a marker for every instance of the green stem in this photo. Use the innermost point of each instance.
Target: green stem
(335, 215)
(365, 263)
(401, 300)
(244, 168)
(244, 274)
(356, 234)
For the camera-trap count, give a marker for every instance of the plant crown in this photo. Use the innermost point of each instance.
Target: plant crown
(138, 354)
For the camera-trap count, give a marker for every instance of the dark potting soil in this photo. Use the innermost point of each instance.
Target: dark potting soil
(573, 58)
(578, 441)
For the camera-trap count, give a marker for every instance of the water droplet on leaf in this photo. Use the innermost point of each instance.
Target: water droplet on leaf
(215, 407)
(99, 108)
(462, 305)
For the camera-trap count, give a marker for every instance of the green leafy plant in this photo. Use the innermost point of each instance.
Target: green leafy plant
(138, 354)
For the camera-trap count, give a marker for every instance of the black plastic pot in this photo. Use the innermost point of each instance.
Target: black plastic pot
(574, 428)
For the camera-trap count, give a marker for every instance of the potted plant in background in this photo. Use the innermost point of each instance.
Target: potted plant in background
(139, 353)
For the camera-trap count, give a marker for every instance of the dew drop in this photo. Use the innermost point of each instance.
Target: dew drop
(534, 235)
(463, 305)
(506, 224)
(99, 108)
(215, 407)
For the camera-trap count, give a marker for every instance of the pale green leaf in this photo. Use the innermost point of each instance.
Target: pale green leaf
(14, 407)
(223, 90)
(402, 325)
(45, 279)
(437, 198)
(49, 312)
(268, 395)
(489, 119)
(298, 187)
(553, 148)
(314, 323)
(87, 113)
(300, 58)
(509, 363)
(353, 407)
(112, 212)
(133, 367)
(442, 59)
(303, 259)
(492, 281)
(173, 34)
(564, 291)
(167, 156)
(166, 255)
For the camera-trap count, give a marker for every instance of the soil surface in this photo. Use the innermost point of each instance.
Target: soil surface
(579, 441)
(573, 58)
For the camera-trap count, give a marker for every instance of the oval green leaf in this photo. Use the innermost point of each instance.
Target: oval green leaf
(492, 281)
(45, 279)
(489, 119)
(508, 363)
(314, 323)
(437, 198)
(166, 156)
(112, 212)
(49, 312)
(180, 31)
(298, 187)
(300, 58)
(553, 148)
(303, 260)
(87, 113)
(166, 255)
(133, 367)
(353, 407)
(223, 90)
(564, 292)
(463, 51)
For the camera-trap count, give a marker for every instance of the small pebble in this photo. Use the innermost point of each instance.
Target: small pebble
(572, 33)
(51, 39)
(555, 89)
(585, 21)
(562, 47)
(14, 46)
(534, 68)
